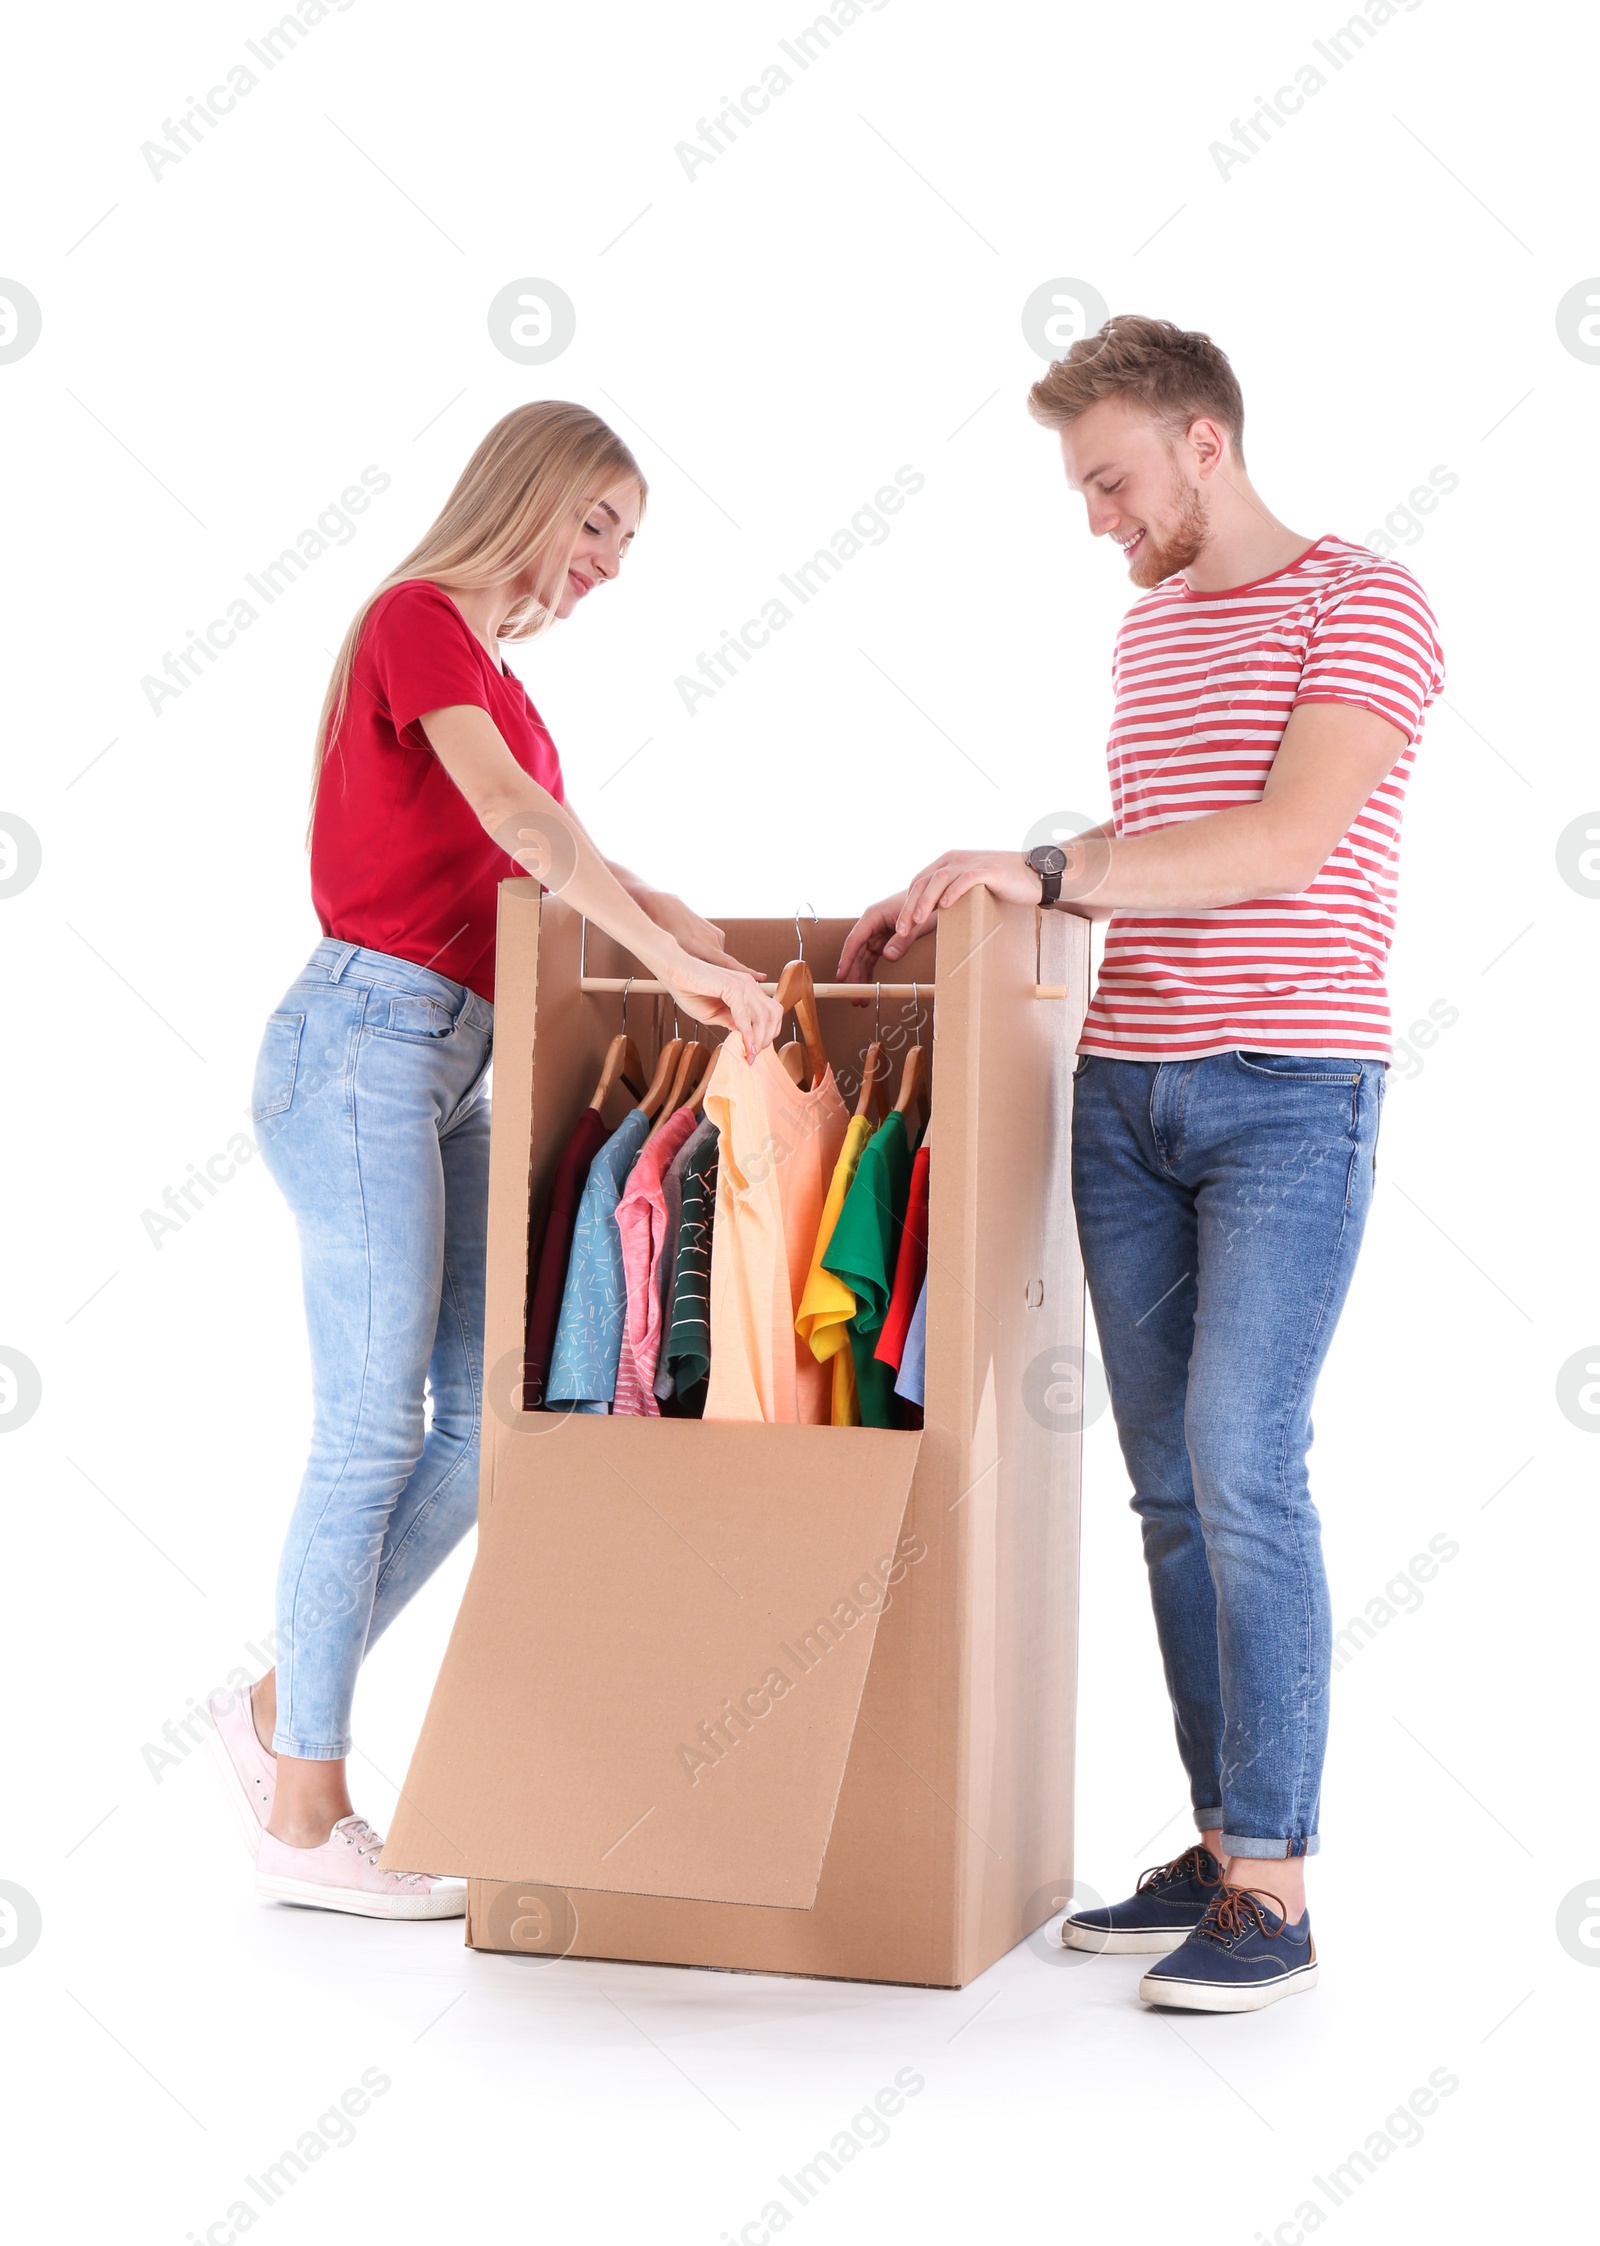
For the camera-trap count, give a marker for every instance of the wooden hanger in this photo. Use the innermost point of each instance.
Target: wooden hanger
(792, 1060)
(661, 1083)
(911, 1080)
(696, 1099)
(622, 1063)
(622, 1058)
(874, 1065)
(913, 1083)
(795, 989)
(872, 1070)
(692, 1063)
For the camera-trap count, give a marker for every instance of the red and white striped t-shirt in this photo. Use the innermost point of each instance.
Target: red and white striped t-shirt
(1205, 683)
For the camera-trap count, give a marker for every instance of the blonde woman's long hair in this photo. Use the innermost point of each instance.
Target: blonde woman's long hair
(520, 500)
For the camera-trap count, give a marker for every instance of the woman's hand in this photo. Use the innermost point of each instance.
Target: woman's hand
(727, 997)
(699, 938)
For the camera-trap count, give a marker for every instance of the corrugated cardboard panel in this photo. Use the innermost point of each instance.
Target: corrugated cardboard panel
(1005, 1343)
(954, 1815)
(656, 1671)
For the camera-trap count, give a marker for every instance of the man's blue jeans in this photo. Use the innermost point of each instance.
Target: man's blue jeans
(370, 1112)
(1220, 1206)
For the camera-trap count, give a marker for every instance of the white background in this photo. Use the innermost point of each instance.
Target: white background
(224, 348)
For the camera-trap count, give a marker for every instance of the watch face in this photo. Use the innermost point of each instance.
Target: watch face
(1048, 860)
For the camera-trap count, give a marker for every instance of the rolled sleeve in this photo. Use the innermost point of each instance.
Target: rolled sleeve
(1376, 647)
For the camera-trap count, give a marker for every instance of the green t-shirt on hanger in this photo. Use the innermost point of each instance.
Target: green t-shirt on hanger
(862, 1253)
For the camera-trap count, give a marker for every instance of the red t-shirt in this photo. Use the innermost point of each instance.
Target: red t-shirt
(399, 862)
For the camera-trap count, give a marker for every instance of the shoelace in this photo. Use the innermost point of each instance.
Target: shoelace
(358, 1833)
(1190, 1865)
(1236, 1911)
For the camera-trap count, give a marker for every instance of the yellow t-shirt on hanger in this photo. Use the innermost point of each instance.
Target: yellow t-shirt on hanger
(826, 1303)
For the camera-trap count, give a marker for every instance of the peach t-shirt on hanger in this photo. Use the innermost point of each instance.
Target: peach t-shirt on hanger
(778, 1148)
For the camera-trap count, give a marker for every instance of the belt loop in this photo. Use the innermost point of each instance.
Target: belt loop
(346, 953)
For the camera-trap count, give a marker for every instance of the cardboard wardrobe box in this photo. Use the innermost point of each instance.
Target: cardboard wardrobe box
(784, 1698)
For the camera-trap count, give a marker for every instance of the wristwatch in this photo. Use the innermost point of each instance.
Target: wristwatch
(1049, 863)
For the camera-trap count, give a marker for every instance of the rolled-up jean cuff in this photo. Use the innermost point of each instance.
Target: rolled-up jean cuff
(1233, 1844)
(303, 1751)
(1207, 1820)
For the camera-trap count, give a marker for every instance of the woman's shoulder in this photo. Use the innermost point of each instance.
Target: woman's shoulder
(417, 602)
(414, 632)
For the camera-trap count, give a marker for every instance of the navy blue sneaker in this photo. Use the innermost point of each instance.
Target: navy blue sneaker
(1163, 1910)
(1241, 1956)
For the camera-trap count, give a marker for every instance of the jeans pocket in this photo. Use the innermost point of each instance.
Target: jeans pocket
(1080, 1065)
(1300, 1068)
(276, 1064)
(414, 1021)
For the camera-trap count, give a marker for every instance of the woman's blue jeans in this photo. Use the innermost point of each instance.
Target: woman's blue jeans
(1220, 1207)
(371, 1112)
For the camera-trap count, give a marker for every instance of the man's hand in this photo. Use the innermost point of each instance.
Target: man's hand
(1332, 757)
(863, 947)
(888, 929)
(1004, 873)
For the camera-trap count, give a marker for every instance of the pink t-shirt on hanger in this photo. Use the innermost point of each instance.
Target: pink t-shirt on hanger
(642, 1228)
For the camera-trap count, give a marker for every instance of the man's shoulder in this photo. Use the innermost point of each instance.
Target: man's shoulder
(1345, 564)
(1368, 588)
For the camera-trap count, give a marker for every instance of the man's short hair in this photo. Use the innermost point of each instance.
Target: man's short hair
(1175, 374)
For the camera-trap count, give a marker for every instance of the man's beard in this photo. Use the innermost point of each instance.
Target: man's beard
(1181, 546)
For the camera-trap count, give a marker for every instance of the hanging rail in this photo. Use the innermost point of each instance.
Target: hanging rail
(614, 985)
(639, 987)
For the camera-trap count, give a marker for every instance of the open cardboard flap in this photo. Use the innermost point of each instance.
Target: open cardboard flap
(655, 1675)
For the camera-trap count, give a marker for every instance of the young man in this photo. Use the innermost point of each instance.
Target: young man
(1270, 690)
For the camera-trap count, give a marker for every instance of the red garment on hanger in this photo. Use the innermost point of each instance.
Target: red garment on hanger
(549, 1246)
(910, 1266)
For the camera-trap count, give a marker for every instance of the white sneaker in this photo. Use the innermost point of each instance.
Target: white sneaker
(343, 1875)
(246, 1771)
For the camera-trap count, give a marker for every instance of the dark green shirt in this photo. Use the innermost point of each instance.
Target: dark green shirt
(862, 1252)
(687, 1352)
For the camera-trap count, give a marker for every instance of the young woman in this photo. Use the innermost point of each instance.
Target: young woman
(433, 767)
